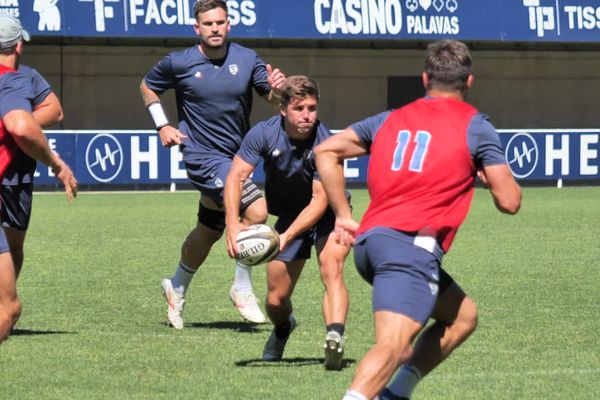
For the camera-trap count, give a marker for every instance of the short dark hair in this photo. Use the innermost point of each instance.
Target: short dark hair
(298, 86)
(202, 6)
(448, 65)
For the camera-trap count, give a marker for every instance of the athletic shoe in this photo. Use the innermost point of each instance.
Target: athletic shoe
(247, 305)
(386, 394)
(175, 302)
(334, 351)
(274, 347)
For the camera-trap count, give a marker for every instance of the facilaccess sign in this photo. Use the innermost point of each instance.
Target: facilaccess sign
(481, 20)
(137, 157)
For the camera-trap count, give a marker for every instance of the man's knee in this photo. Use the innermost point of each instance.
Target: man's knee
(256, 213)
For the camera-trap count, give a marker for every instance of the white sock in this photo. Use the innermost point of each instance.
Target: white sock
(405, 381)
(354, 395)
(182, 278)
(243, 278)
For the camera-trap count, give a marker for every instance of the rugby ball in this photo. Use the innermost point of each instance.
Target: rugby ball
(258, 244)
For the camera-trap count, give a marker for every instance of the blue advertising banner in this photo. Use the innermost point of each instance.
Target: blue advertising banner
(138, 158)
(481, 20)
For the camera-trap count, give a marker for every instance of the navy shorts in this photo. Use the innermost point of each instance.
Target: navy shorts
(15, 208)
(299, 248)
(406, 278)
(209, 177)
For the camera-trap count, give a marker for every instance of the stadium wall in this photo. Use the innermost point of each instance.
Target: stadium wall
(98, 84)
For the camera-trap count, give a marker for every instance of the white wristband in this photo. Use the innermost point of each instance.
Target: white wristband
(158, 115)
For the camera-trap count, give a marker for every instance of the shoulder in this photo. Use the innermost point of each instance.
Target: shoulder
(266, 128)
(236, 49)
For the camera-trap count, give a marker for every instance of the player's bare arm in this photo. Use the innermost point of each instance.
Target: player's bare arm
(49, 112)
(276, 79)
(503, 187)
(238, 173)
(169, 136)
(330, 157)
(308, 217)
(29, 137)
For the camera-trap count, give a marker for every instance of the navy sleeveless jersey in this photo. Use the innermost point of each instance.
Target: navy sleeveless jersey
(289, 165)
(214, 97)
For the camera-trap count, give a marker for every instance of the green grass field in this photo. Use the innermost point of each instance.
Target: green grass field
(93, 323)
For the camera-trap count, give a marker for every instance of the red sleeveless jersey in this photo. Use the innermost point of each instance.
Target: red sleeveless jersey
(421, 172)
(7, 144)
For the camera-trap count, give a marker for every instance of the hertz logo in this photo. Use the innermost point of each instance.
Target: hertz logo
(522, 155)
(104, 158)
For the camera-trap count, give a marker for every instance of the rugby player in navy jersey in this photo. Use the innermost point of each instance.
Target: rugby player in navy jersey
(424, 160)
(19, 128)
(17, 185)
(295, 195)
(213, 84)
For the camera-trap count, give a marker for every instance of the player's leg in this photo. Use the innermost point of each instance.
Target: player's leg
(405, 286)
(393, 336)
(282, 274)
(15, 213)
(455, 317)
(194, 250)
(281, 280)
(253, 209)
(10, 306)
(335, 299)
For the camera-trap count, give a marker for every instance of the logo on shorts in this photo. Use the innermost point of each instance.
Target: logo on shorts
(198, 75)
(104, 157)
(219, 182)
(522, 154)
(434, 288)
(233, 69)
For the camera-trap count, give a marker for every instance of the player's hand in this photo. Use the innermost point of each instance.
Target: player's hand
(345, 231)
(284, 239)
(276, 79)
(64, 174)
(170, 136)
(232, 232)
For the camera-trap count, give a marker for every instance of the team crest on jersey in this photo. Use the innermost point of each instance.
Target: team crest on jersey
(198, 75)
(233, 69)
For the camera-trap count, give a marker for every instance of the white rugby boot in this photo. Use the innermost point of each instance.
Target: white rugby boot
(247, 305)
(334, 351)
(175, 303)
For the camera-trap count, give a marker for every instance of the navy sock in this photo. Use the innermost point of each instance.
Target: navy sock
(339, 328)
(282, 331)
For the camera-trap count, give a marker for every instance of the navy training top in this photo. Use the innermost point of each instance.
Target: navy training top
(22, 167)
(214, 97)
(289, 165)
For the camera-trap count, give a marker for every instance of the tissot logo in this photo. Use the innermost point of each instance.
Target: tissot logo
(522, 154)
(104, 158)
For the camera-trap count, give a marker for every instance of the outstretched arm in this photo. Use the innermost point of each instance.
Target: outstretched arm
(169, 136)
(308, 217)
(330, 156)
